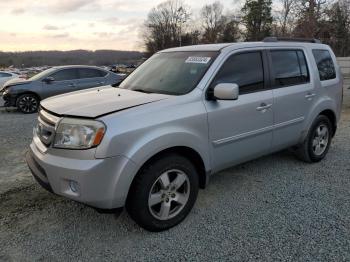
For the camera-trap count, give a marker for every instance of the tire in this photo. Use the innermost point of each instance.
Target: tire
(154, 207)
(319, 137)
(27, 103)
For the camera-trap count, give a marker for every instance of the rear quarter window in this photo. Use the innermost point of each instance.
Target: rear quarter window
(325, 64)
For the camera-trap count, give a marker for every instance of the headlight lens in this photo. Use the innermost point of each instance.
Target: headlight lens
(75, 133)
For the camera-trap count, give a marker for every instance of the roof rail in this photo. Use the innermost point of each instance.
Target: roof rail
(287, 39)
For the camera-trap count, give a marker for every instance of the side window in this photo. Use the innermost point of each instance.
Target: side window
(245, 70)
(324, 64)
(65, 74)
(289, 68)
(91, 73)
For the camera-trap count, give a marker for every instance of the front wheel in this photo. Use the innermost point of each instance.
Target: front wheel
(317, 143)
(27, 103)
(163, 193)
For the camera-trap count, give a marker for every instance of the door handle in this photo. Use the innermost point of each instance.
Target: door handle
(263, 107)
(71, 85)
(309, 96)
(100, 83)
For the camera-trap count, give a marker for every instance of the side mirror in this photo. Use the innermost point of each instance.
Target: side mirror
(226, 91)
(48, 80)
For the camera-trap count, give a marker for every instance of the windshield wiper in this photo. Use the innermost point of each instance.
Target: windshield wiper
(142, 91)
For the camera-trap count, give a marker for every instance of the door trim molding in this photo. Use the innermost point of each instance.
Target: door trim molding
(231, 139)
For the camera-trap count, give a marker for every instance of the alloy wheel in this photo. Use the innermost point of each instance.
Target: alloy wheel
(169, 194)
(28, 104)
(320, 139)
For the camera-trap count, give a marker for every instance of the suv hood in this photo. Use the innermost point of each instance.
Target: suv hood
(98, 101)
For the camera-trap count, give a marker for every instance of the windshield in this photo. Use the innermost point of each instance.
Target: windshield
(174, 73)
(42, 74)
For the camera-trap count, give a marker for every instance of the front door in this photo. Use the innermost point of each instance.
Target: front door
(64, 81)
(241, 129)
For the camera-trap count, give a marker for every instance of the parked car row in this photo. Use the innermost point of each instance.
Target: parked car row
(27, 94)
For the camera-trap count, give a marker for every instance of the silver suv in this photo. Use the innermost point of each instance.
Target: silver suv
(183, 115)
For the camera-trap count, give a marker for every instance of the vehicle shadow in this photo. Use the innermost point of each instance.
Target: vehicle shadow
(4, 109)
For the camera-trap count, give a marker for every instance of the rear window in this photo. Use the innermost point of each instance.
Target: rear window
(289, 67)
(325, 64)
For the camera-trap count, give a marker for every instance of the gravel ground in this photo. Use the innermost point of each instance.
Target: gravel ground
(273, 208)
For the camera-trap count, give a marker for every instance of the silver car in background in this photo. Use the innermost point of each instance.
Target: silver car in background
(6, 76)
(27, 94)
(183, 115)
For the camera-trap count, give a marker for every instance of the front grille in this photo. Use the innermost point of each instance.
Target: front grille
(45, 129)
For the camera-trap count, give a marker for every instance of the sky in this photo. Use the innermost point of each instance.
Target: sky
(78, 24)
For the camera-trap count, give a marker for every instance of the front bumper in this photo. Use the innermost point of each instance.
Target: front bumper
(10, 100)
(101, 183)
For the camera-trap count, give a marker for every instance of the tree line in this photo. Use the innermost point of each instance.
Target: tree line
(52, 58)
(172, 23)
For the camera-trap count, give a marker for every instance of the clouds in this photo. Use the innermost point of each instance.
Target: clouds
(65, 6)
(76, 24)
(51, 27)
(17, 11)
(63, 35)
(111, 20)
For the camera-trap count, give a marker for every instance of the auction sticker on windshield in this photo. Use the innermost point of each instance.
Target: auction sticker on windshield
(197, 60)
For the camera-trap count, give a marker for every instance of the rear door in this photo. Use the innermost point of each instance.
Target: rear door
(90, 77)
(64, 81)
(293, 92)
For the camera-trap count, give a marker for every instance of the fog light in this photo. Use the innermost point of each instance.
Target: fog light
(74, 186)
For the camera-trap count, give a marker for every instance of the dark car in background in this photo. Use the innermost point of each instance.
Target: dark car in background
(27, 94)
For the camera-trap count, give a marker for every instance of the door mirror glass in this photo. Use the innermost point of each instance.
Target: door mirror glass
(226, 91)
(48, 80)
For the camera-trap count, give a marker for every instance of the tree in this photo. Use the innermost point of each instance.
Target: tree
(285, 17)
(310, 13)
(257, 19)
(213, 22)
(231, 32)
(164, 25)
(337, 24)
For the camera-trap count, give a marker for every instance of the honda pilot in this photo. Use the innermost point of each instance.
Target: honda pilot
(182, 116)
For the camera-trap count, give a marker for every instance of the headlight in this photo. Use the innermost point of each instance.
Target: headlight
(73, 133)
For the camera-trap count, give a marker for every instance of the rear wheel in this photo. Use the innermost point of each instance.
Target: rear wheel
(163, 193)
(27, 103)
(317, 143)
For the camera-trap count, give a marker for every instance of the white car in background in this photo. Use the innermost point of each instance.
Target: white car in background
(6, 76)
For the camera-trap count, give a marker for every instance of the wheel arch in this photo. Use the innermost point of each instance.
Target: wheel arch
(326, 107)
(188, 152)
(28, 92)
(330, 114)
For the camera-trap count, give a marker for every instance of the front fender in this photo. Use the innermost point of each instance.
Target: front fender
(153, 143)
(149, 145)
